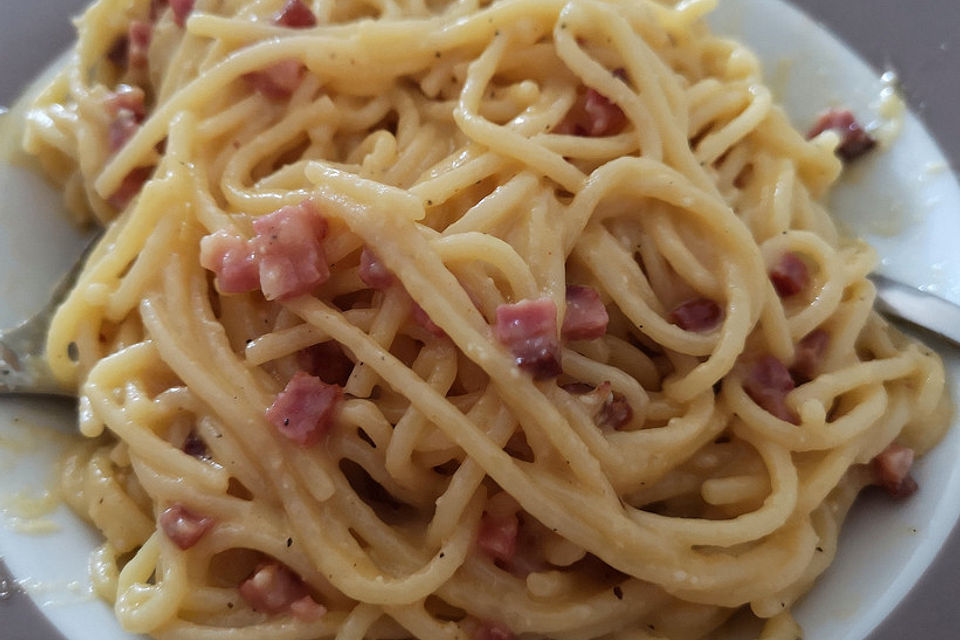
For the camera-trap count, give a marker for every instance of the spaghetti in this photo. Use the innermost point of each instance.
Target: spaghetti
(455, 319)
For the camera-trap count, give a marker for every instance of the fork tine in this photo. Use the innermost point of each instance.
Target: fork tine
(23, 365)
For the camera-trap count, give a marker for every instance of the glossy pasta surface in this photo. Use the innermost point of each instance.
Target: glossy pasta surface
(374, 202)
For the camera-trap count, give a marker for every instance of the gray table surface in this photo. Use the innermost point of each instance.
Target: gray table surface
(918, 38)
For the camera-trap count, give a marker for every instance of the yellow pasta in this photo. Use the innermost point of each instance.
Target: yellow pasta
(484, 155)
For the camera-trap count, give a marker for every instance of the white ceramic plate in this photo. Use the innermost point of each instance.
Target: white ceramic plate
(904, 200)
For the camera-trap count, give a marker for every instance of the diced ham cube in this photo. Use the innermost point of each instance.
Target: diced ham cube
(232, 259)
(594, 115)
(700, 315)
(326, 361)
(529, 329)
(768, 384)
(306, 609)
(373, 272)
(296, 15)
(304, 411)
(423, 319)
(274, 588)
(139, 34)
(586, 318)
(810, 351)
(290, 251)
(129, 187)
(498, 536)
(492, 631)
(184, 527)
(854, 141)
(181, 10)
(790, 276)
(123, 127)
(277, 81)
(892, 467)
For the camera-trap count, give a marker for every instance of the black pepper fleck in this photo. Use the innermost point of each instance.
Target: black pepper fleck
(618, 592)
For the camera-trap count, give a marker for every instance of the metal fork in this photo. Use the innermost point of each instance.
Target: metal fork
(24, 369)
(23, 366)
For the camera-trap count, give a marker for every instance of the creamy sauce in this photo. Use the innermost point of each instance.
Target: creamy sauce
(27, 508)
(890, 109)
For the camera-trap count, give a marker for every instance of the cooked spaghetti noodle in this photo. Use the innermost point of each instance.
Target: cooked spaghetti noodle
(463, 170)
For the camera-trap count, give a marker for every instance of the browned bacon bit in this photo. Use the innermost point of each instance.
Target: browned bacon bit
(304, 411)
(373, 272)
(232, 259)
(181, 9)
(854, 141)
(326, 361)
(492, 631)
(194, 446)
(611, 410)
(273, 588)
(498, 536)
(129, 187)
(184, 527)
(586, 318)
(296, 15)
(768, 384)
(790, 276)
(139, 34)
(529, 329)
(615, 413)
(289, 246)
(810, 351)
(277, 81)
(892, 468)
(700, 315)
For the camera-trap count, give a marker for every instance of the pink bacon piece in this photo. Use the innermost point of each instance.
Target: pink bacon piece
(790, 275)
(594, 115)
(184, 527)
(498, 536)
(892, 467)
(274, 588)
(768, 384)
(181, 10)
(129, 187)
(699, 315)
(126, 106)
(586, 318)
(290, 251)
(854, 141)
(373, 272)
(809, 353)
(304, 411)
(139, 34)
(232, 259)
(529, 329)
(296, 15)
(279, 80)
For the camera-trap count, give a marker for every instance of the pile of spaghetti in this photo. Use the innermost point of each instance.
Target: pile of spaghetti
(457, 320)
